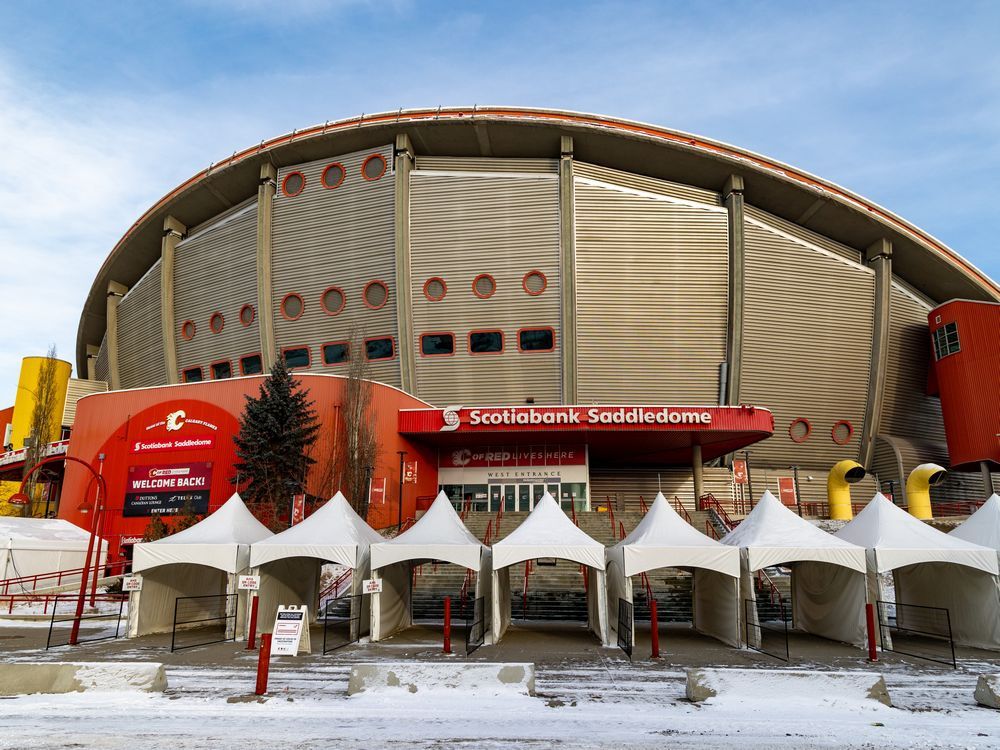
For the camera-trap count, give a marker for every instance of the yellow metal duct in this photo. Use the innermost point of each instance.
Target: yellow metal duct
(918, 489)
(838, 488)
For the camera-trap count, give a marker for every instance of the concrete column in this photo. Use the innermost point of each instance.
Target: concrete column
(988, 488)
(879, 257)
(115, 293)
(265, 306)
(732, 195)
(404, 291)
(92, 352)
(697, 468)
(567, 270)
(173, 232)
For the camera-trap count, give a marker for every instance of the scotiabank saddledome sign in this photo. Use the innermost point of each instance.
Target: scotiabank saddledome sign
(459, 419)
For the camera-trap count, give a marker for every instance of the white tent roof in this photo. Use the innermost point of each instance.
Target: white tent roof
(664, 539)
(334, 532)
(220, 540)
(899, 539)
(548, 532)
(773, 535)
(983, 526)
(41, 533)
(438, 535)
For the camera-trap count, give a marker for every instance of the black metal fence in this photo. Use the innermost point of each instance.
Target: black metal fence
(625, 623)
(769, 637)
(475, 626)
(102, 623)
(202, 620)
(341, 619)
(917, 631)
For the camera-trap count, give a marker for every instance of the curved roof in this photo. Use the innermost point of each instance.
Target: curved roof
(795, 195)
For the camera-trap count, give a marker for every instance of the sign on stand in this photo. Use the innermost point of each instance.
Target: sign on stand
(289, 623)
(132, 583)
(372, 586)
(248, 583)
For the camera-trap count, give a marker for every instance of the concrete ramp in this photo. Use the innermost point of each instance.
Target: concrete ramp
(24, 678)
(426, 677)
(786, 687)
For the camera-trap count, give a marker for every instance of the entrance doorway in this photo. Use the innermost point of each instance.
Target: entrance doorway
(519, 497)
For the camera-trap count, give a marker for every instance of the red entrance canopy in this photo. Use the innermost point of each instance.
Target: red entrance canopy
(654, 435)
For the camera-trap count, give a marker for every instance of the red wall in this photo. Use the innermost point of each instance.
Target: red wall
(113, 423)
(969, 381)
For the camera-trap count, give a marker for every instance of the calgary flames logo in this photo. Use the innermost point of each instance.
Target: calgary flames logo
(451, 418)
(461, 457)
(175, 420)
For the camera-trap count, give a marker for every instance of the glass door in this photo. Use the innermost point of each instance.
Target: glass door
(495, 494)
(524, 497)
(510, 497)
(537, 490)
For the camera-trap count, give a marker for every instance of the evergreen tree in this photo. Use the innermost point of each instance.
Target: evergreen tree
(277, 430)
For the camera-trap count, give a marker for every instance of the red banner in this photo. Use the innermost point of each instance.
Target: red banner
(377, 494)
(298, 509)
(739, 471)
(410, 472)
(499, 457)
(786, 490)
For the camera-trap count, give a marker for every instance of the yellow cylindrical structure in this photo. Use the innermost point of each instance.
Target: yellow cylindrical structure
(838, 488)
(918, 489)
(27, 397)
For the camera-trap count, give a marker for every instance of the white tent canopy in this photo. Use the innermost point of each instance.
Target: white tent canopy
(663, 540)
(290, 563)
(828, 583)
(983, 526)
(438, 535)
(930, 569)
(33, 546)
(548, 532)
(202, 560)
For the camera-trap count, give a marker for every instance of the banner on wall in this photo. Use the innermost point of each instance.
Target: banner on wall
(298, 509)
(510, 456)
(377, 494)
(786, 490)
(410, 472)
(165, 489)
(739, 471)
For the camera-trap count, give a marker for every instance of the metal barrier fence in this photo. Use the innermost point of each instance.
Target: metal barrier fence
(341, 622)
(917, 631)
(625, 623)
(475, 626)
(771, 637)
(202, 620)
(111, 614)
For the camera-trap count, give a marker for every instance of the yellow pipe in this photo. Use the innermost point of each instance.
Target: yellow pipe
(838, 488)
(27, 389)
(918, 489)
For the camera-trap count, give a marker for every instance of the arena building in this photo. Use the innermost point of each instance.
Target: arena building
(594, 305)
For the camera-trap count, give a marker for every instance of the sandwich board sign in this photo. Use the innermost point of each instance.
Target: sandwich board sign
(286, 638)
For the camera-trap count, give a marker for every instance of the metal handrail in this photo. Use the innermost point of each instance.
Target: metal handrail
(621, 530)
(710, 503)
(679, 506)
(710, 530)
(334, 587)
(773, 591)
(12, 599)
(642, 505)
(58, 575)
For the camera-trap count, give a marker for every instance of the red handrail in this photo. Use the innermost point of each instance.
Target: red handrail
(709, 502)
(710, 530)
(642, 505)
(773, 592)
(621, 530)
(573, 506)
(12, 599)
(59, 575)
(611, 512)
(487, 536)
(334, 586)
(679, 505)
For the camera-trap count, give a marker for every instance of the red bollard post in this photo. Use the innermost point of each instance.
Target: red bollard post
(872, 650)
(447, 625)
(263, 663)
(252, 632)
(654, 629)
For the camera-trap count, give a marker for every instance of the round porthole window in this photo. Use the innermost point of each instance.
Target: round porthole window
(217, 322)
(332, 176)
(534, 283)
(373, 167)
(435, 289)
(293, 184)
(842, 432)
(799, 429)
(247, 314)
(484, 286)
(333, 300)
(188, 329)
(376, 294)
(292, 306)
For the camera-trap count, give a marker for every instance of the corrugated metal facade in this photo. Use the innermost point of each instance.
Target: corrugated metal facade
(645, 184)
(469, 164)
(140, 337)
(807, 339)
(652, 295)
(627, 485)
(215, 271)
(804, 234)
(76, 390)
(102, 367)
(342, 237)
(481, 222)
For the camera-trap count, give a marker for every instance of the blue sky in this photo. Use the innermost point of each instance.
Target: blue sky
(106, 106)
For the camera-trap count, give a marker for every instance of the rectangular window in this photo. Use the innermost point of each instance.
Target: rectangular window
(486, 342)
(296, 357)
(222, 370)
(378, 348)
(336, 353)
(437, 344)
(251, 365)
(946, 340)
(536, 340)
(191, 375)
